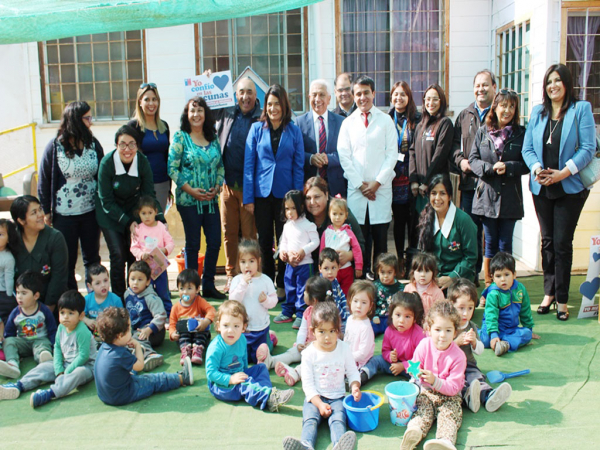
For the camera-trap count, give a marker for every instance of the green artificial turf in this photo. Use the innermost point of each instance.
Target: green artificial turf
(555, 407)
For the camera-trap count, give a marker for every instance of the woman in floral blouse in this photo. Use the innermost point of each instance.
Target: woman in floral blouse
(68, 183)
(196, 167)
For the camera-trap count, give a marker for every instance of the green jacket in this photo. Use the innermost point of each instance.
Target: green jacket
(118, 195)
(505, 309)
(456, 254)
(48, 257)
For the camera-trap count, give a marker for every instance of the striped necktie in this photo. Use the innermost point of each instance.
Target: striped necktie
(322, 145)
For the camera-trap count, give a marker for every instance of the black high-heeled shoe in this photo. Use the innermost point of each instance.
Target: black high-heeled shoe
(562, 315)
(546, 309)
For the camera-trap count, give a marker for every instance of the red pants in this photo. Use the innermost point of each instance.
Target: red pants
(346, 277)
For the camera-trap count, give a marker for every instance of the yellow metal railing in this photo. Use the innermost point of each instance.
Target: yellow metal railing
(34, 164)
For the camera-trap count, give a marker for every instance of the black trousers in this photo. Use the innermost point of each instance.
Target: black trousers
(267, 214)
(558, 220)
(118, 244)
(84, 229)
(375, 241)
(401, 223)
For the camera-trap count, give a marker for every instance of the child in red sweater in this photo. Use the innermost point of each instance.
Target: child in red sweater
(442, 377)
(191, 318)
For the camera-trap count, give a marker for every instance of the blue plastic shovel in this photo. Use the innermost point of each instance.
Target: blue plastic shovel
(495, 376)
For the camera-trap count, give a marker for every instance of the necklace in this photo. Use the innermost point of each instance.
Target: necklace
(549, 141)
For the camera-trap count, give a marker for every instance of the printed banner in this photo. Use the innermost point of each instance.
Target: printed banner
(216, 90)
(589, 288)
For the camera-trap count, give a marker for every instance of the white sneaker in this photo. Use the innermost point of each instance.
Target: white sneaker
(438, 444)
(472, 396)
(411, 438)
(501, 348)
(9, 370)
(498, 397)
(153, 361)
(45, 356)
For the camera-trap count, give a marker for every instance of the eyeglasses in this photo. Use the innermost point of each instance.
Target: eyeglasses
(145, 85)
(507, 92)
(132, 145)
(90, 119)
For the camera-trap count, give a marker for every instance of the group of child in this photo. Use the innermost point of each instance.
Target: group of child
(337, 321)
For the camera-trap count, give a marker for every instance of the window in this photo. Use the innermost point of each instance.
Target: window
(513, 61)
(583, 55)
(272, 44)
(104, 70)
(393, 40)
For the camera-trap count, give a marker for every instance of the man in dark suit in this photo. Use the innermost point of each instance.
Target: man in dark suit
(320, 129)
(344, 95)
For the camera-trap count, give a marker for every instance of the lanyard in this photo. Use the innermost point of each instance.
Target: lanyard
(402, 132)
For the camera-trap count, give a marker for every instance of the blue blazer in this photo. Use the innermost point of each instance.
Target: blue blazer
(335, 174)
(578, 118)
(266, 174)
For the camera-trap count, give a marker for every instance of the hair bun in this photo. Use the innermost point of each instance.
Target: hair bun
(329, 293)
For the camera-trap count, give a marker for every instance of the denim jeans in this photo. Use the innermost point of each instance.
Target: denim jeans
(255, 391)
(193, 223)
(311, 418)
(466, 204)
(161, 286)
(80, 228)
(118, 244)
(377, 364)
(498, 235)
(150, 383)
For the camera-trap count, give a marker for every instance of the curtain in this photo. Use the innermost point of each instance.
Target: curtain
(581, 42)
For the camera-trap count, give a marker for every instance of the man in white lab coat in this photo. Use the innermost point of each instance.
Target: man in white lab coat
(368, 150)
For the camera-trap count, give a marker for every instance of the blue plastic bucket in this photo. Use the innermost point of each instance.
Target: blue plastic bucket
(363, 416)
(402, 397)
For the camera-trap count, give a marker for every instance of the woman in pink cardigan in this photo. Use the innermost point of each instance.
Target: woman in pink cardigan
(442, 376)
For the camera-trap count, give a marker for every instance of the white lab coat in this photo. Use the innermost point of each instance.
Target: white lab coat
(369, 154)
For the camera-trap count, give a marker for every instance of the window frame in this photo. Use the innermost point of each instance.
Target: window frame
(233, 55)
(525, 72)
(44, 85)
(444, 50)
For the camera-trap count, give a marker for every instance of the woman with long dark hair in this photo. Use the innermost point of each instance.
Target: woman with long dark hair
(430, 150)
(406, 118)
(448, 232)
(273, 165)
(68, 183)
(497, 161)
(559, 142)
(196, 167)
(155, 138)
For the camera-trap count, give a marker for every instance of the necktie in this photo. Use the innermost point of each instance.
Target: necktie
(322, 145)
(366, 116)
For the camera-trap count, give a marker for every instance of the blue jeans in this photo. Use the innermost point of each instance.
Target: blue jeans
(193, 222)
(466, 204)
(255, 390)
(311, 418)
(295, 280)
(150, 383)
(516, 337)
(161, 286)
(498, 235)
(379, 328)
(377, 364)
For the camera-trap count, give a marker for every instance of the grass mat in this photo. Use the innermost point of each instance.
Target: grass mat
(553, 407)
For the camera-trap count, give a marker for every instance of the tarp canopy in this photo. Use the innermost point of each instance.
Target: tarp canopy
(42, 20)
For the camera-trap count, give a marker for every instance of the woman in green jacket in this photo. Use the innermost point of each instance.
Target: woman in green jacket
(41, 248)
(447, 232)
(124, 176)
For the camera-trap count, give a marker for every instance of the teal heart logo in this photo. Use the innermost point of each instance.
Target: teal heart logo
(221, 81)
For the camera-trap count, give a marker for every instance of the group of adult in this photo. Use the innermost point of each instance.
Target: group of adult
(396, 163)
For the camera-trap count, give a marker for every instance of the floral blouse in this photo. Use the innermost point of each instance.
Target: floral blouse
(200, 167)
(78, 194)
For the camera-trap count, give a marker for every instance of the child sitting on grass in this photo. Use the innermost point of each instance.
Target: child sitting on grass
(115, 383)
(400, 339)
(463, 294)
(227, 372)
(100, 296)
(30, 328)
(329, 266)
(191, 318)
(507, 304)
(442, 377)
(325, 364)
(74, 355)
(147, 313)
(386, 285)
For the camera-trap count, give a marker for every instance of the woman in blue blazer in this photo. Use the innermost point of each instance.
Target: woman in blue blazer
(559, 142)
(273, 165)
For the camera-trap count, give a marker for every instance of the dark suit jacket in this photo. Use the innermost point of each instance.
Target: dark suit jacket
(335, 174)
(343, 113)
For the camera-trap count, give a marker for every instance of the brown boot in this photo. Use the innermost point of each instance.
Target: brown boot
(486, 271)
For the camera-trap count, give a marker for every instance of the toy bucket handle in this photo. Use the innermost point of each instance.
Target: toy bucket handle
(381, 399)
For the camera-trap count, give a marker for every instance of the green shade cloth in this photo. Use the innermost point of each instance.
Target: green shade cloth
(43, 20)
